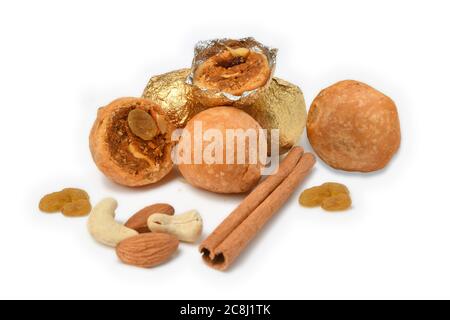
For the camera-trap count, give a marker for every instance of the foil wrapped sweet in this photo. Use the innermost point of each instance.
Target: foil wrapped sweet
(282, 106)
(207, 49)
(176, 98)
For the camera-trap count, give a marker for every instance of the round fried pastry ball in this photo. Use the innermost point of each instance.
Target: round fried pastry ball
(220, 176)
(354, 127)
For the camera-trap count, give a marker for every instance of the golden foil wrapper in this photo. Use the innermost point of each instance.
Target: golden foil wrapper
(282, 106)
(206, 49)
(171, 92)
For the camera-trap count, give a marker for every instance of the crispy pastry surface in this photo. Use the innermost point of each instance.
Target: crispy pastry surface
(216, 177)
(354, 127)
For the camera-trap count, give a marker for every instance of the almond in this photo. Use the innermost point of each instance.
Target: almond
(138, 221)
(147, 250)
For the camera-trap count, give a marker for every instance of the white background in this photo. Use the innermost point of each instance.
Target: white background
(61, 60)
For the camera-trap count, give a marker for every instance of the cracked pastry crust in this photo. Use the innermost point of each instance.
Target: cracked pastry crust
(233, 74)
(354, 127)
(124, 157)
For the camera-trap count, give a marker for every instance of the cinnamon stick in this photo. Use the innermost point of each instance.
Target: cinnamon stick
(228, 241)
(253, 200)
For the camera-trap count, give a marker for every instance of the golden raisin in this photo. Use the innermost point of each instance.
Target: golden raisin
(314, 197)
(78, 208)
(142, 124)
(335, 188)
(69, 201)
(54, 202)
(337, 203)
(76, 194)
(330, 196)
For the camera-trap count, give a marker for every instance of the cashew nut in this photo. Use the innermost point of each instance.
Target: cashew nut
(186, 227)
(104, 228)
